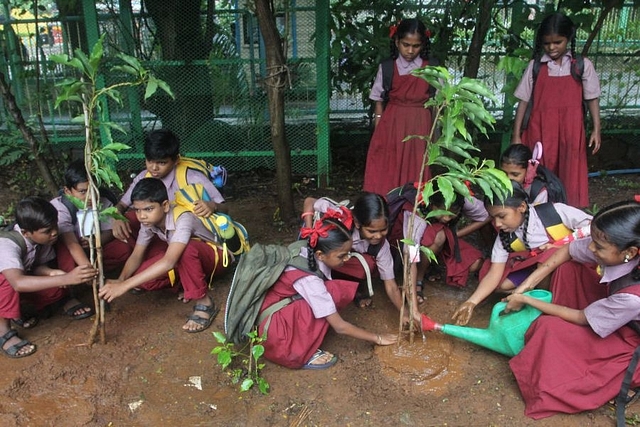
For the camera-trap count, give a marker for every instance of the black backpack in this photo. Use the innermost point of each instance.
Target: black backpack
(9, 233)
(387, 77)
(577, 70)
(556, 192)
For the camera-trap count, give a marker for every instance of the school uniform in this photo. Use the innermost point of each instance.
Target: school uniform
(13, 257)
(572, 368)
(424, 233)
(296, 331)
(390, 161)
(557, 120)
(202, 257)
(380, 264)
(114, 253)
(537, 236)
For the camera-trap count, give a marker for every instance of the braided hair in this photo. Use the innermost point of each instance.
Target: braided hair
(411, 26)
(513, 200)
(620, 226)
(556, 23)
(326, 235)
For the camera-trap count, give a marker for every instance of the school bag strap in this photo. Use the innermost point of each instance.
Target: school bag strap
(577, 70)
(552, 222)
(388, 65)
(16, 237)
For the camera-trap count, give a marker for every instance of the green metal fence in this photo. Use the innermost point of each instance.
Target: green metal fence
(221, 108)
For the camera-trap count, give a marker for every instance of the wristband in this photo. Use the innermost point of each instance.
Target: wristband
(304, 214)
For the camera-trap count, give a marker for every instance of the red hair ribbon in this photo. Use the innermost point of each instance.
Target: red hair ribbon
(637, 198)
(342, 214)
(392, 31)
(427, 33)
(468, 184)
(318, 230)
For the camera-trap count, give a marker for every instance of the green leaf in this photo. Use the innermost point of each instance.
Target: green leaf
(257, 351)
(220, 337)
(151, 88)
(116, 146)
(165, 87)
(263, 386)
(224, 359)
(445, 187)
(246, 384)
(112, 212)
(96, 54)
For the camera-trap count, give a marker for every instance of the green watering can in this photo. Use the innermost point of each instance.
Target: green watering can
(505, 333)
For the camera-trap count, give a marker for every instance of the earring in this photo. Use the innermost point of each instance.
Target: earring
(626, 258)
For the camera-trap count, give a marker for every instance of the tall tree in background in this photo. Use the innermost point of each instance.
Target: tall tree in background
(274, 82)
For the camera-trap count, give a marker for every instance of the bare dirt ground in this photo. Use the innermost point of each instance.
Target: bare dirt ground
(151, 373)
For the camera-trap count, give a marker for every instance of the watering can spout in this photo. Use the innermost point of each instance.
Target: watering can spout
(505, 334)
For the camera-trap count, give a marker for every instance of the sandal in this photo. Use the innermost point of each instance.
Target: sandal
(318, 354)
(419, 294)
(211, 310)
(14, 350)
(77, 307)
(26, 323)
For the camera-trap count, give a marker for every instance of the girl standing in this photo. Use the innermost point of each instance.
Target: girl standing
(575, 358)
(390, 161)
(296, 331)
(523, 242)
(557, 117)
(369, 232)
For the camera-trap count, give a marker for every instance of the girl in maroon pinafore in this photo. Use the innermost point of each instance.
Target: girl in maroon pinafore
(557, 117)
(576, 355)
(390, 161)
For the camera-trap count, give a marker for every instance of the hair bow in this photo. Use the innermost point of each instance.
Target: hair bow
(392, 31)
(532, 167)
(427, 33)
(467, 183)
(343, 214)
(313, 233)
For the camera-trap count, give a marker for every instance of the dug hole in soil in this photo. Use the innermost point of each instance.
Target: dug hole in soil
(151, 373)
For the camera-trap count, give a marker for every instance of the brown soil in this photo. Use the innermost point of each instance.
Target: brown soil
(141, 376)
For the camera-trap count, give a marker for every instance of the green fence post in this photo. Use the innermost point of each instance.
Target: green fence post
(93, 34)
(135, 115)
(323, 91)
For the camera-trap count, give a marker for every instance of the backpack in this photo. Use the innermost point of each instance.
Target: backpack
(577, 70)
(256, 273)
(388, 66)
(556, 192)
(396, 199)
(232, 234)
(552, 223)
(217, 174)
(9, 233)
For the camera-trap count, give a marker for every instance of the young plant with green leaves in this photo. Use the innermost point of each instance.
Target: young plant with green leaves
(101, 150)
(247, 367)
(458, 110)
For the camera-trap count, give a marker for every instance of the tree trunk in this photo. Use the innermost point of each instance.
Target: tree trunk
(607, 7)
(275, 79)
(483, 23)
(27, 134)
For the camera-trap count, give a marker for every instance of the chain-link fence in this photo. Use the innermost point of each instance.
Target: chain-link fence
(220, 111)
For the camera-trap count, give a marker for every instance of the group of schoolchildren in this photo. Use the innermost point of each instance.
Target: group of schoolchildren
(575, 356)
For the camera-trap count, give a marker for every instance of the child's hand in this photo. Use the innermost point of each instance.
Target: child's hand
(121, 229)
(111, 290)
(387, 339)
(201, 208)
(515, 302)
(82, 274)
(463, 314)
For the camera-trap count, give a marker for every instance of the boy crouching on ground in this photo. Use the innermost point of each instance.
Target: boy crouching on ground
(192, 251)
(24, 273)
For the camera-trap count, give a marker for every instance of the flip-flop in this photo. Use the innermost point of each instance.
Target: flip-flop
(27, 322)
(319, 353)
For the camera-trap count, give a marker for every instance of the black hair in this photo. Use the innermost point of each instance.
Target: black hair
(516, 154)
(556, 23)
(151, 189)
(75, 174)
(369, 207)
(620, 224)
(34, 213)
(337, 235)
(161, 144)
(512, 200)
(411, 26)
